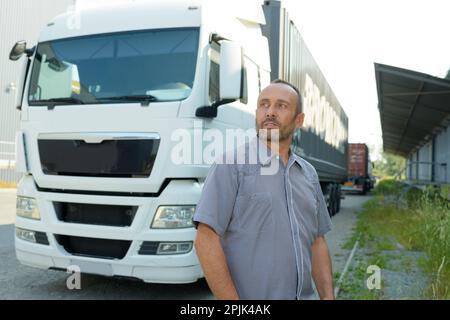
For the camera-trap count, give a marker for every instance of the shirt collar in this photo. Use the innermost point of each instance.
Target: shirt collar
(294, 156)
(266, 155)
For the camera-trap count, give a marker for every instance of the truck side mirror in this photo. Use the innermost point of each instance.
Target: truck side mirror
(230, 80)
(230, 70)
(18, 50)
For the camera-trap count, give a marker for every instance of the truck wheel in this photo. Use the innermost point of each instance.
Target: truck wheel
(332, 200)
(364, 191)
(331, 209)
(327, 195)
(337, 199)
(338, 207)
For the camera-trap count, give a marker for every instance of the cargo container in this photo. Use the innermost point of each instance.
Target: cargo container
(359, 169)
(323, 139)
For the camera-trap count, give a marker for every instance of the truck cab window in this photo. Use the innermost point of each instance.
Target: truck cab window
(105, 68)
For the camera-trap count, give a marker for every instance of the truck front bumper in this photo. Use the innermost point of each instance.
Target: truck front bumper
(49, 252)
(166, 270)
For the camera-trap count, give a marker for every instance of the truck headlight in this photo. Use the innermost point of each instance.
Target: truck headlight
(173, 217)
(27, 207)
(174, 247)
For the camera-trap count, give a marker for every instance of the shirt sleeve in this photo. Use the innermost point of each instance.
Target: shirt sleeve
(323, 216)
(218, 197)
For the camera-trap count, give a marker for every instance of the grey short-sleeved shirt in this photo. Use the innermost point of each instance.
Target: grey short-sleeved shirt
(267, 222)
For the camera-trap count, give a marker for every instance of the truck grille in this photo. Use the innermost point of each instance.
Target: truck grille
(110, 158)
(93, 247)
(95, 214)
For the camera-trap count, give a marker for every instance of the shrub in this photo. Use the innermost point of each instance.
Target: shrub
(389, 187)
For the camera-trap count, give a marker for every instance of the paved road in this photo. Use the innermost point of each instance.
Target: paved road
(21, 282)
(7, 206)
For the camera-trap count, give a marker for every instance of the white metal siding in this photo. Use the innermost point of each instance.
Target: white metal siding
(410, 171)
(412, 165)
(19, 20)
(425, 159)
(442, 156)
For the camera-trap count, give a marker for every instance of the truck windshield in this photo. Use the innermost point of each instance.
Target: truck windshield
(152, 65)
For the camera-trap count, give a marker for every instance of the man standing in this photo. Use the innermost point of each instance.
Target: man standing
(261, 236)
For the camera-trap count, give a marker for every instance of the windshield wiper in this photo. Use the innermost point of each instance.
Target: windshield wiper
(145, 99)
(51, 103)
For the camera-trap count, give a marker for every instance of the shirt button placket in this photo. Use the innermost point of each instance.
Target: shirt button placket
(293, 230)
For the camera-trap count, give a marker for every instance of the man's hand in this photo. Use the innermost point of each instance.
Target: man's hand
(212, 259)
(321, 269)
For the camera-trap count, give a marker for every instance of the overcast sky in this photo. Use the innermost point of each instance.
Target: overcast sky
(347, 36)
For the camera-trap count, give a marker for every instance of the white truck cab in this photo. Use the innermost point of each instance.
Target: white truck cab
(99, 106)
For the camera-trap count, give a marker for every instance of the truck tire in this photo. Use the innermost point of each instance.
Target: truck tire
(364, 190)
(338, 197)
(332, 209)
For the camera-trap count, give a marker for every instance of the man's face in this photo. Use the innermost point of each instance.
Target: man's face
(277, 110)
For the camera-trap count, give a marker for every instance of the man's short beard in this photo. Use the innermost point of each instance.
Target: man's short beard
(275, 135)
(269, 135)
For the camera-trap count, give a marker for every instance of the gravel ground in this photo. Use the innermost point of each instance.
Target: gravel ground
(342, 231)
(22, 282)
(7, 206)
(403, 278)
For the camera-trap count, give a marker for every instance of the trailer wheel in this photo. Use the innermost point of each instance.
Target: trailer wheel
(364, 190)
(338, 206)
(332, 208)
(338, 198)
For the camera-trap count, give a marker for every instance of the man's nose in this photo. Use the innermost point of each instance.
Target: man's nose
(271, 111)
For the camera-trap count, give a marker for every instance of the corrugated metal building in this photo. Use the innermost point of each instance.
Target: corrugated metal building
(19, 20)
(415, 119)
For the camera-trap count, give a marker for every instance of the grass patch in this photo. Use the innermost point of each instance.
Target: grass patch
(348, 245)
(336, 276)
(354, 287)
(378, 260)
(388, 187)
(385, 245)
(406, 263)
(419, 221)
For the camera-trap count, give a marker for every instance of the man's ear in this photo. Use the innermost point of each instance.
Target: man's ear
(299, 119)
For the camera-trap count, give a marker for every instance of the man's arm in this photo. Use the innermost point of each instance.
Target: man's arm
(212, 259)
(321, 269)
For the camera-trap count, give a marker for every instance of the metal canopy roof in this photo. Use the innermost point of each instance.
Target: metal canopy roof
(412, 106)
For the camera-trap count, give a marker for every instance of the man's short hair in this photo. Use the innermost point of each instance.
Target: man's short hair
(300, 97)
